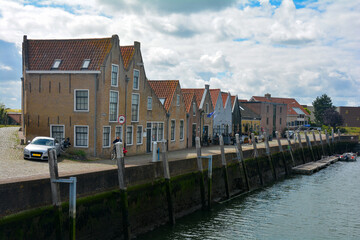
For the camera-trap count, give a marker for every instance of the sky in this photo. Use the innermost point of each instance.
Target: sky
(289, 48)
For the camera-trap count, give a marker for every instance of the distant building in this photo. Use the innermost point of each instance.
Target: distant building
(14, 118)
(222, 112)
(250, 121)
(236, 115)
(351, 116)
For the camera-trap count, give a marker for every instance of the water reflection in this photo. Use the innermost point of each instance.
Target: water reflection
(324, 205)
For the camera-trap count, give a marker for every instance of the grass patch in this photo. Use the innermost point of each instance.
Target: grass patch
(352, 130)
(75, 154)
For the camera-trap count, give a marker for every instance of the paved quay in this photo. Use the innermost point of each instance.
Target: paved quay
(14, 168)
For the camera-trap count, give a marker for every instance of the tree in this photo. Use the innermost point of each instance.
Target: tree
(3, 114)
(321, 104)
(332, 118)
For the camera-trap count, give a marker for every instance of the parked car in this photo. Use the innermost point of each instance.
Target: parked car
(38, 147)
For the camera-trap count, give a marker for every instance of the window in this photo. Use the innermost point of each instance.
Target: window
(129, 135)
(86, 63)
(177, 100)
(136, 79)
(181, 129)
(139, 135)
(149, 103)
(280, 109)
(194, 109)
(280, 121)
(81, 100)
(207, 108)
(56, 63)
(118, 132)
(154, 132)
(106, 137)
(162, 100)
(57, 132)
(267, 121)
(267, 109)
(161, 131)
(114, 75)
(113, 111)
(135, 107)
(172, 132)
(81, 136)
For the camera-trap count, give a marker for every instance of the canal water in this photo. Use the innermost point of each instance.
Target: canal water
(325, 205)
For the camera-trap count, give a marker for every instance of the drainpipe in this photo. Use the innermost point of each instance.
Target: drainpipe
(127, 79)
(95, 118)
(167, 131)
(187, 130)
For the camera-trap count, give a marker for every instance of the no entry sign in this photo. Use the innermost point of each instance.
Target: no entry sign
(121, 119)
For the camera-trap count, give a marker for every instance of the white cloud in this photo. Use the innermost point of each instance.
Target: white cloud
(4, 67)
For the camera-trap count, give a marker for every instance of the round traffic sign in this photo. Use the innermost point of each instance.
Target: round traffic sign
(121, 119)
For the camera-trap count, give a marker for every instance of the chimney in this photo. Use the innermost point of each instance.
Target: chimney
(268, 96)
(115, 40)
(207, 87)
(137, 45)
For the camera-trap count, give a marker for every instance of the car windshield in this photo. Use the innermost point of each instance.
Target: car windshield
(44, 142)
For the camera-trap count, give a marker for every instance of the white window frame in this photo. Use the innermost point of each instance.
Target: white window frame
(162, 100)
(117, 108)
(177, 99)
(88, 97)
(86, 64)
(194, 108)
(87, 144)
(149, 98)
(56, 64)
(183, 130)
(107, 146)
(138, 110)
(173, 140)
(122, 132)
(141, 138)
(138, 80)
(57, 125)
(117, 75)
(132, 135)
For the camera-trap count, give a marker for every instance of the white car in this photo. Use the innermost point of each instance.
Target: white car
(38, 148)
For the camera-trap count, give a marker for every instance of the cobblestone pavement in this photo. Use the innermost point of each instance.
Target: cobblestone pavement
(14, 168)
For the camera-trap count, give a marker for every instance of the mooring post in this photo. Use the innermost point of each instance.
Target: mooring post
(241, 160)
(256, 155)
(328, 141)
(316, 144)
(339, 135)
(55, 191)
(209, 182)
(164, 157)
(123, 191)
(309, 146)
(224, 167)
(322, 144)
(290, 149)
(332, 140)
(338, 141)
(268, 153)
(282, 152)
(201, 172)
(155, 152)
(301, 146)
(72, 208)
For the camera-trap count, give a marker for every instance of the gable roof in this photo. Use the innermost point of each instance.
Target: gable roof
(164, 89)
(247, 113)
(214, 93)
(224, 97)
(198, 92)
(41, 54)
(188, 99)
(293, 106)
(127, 53)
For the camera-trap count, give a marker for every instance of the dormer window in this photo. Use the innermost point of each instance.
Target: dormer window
(56, 63)
(86, 63)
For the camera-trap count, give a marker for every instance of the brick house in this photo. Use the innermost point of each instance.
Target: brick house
(169, 94)
(351, 116)
(250, 121)
(73, 88)
(236, 115)
(205, 107)
(192, 117)
(145, 114)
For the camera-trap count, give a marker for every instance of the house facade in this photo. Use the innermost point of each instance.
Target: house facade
(222, 116)
(192, 118)
(351, 116)
(250, 121)
(73, 88)
(145, 116)
(236, 115)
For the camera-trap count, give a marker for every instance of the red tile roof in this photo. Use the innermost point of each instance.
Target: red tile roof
(224, 97)
(42, 53)
(242, 100)
(199, 92)
(127, 53)
(214, 96)
(188, 98)
(291, 103)
(164, 89)
(232, 100)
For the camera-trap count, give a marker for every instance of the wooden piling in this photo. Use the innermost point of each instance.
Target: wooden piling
(224, 167)
(209, 181)
(165, 161)
(268, 153)
(301, 147)
(309, 146)
(322, 144)
(200, 172)
(282, 153)
(317, 145)
(123, 191)
(241, 160)
(290, 149)
(256, 155)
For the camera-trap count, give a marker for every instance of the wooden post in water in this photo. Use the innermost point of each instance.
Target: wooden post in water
(268, 153)
(165, 161)
(224, 167)
(282, 152)
(241, 160)
(316, 144)
(309, 146)
(200, 172)
(120, 162)
(256, 155)
(332, 141)
(301, 146)
(322, 144)
(209, 181)
(328, 141)
(290, 149)
(55, 192)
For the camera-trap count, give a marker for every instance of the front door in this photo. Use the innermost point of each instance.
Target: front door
(148, 140)
(193, 134)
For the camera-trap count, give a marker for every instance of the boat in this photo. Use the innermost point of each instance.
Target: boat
(348, 157)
